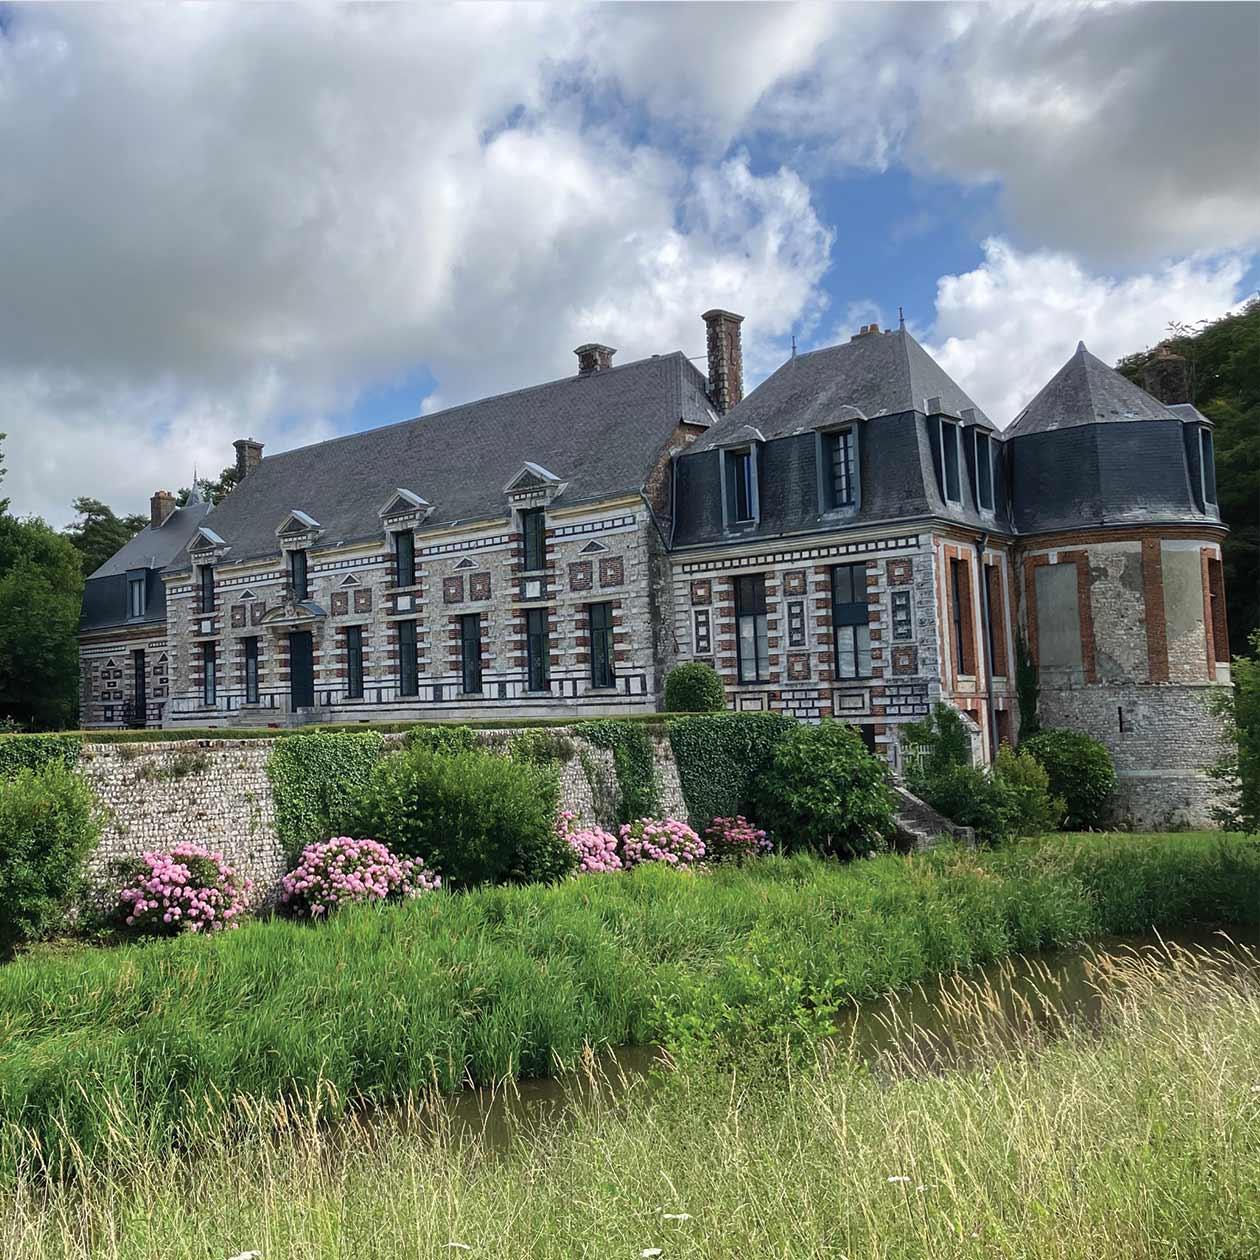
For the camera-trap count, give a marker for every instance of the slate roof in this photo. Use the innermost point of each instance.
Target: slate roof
(880, 374)
(1086, 391)
(599, 433)
(156, 548)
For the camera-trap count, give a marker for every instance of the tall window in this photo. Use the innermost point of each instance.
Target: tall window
(1216, 604)
(1209, 466)
(842, 487)
(208, 680)
(601, 621)
(206, 574)
(138, 689)
(741, 486)
(851, 621)
(135, 596)
(251, 670)
(354, 662)
(984, 470)
(997, 620)
(949, 461)
(470, 652)
(753, 638)
(297, 575)
(533, 531)
(539, 649)
(405, 556)
(408, 663)
(960, 593)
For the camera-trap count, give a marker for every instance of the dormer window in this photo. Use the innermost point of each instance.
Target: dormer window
(952, 487)
(838, 468)
(405, 556)
(206, 575)
(298, 576)
(984, 470)
(740, 472)
(136, 595)
(533, 540)
(1207, 466)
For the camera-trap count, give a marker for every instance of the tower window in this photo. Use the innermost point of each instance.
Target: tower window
(297, 575)
(851, 617)
(534, 540)
(949, 462)
(840, 450)
(741, 486)
(405, 556)
(1208, 460)
(136, 596)
(753, 641)
(984, 470)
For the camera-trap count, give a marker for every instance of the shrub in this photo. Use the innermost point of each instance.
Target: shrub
(542, 747)
(1238, 771)
(48, 825)
(1033, 809)
(660, 840)
(970, 797)
(734, 840)
(694, 688)
(336, 872)
(188, 889)
(475, 817)
(1080, 772)
(33, 752)
(456, 738)
(720, 755)
(317, 779)
(595, 848)
(823, 790)
(944, 736)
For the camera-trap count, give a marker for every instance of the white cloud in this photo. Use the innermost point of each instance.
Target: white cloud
(1005, 328)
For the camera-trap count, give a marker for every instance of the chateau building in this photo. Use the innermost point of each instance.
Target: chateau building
(855, 538)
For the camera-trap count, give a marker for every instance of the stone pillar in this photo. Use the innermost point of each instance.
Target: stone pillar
(726, 359)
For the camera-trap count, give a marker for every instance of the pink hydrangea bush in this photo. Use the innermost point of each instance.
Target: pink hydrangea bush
(660, 840)
(188, 889)
(596, 849)
(735, 840)
(332, 873)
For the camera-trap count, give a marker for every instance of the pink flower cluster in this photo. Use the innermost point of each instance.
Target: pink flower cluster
(596, 849)
(735, 839)
(333, 872)
(187, 889)
(660, 840)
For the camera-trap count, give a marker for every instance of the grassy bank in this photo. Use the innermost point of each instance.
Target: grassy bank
(1138, 1143)
(105, 1053)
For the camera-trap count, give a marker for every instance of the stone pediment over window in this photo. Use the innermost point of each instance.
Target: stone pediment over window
(466, 563)
(298, 529)
(205, 546)
(350, 580)
(592, 548)
(533, 486)
(302, 613)
(404, 508)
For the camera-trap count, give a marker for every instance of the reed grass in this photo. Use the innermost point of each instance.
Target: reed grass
(108, 1054)
(1052, 1141)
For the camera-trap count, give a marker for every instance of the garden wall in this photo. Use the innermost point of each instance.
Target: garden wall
(216, 792)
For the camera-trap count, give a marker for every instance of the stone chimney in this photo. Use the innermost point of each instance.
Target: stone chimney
(1166, 376)
(726, 359)
(161, 505)
(248, 456)
(866, 330)
(594, 358)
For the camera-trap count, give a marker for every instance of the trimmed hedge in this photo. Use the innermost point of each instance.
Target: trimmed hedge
(34, 752)
(638, 794)
(1081, 772)
(694, 687)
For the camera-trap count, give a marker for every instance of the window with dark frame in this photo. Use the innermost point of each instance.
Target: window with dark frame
(960, 592)
(984, 471)
(354, 662)
(208, 680)
(753, 637)
(135, 597)
(138, 689)
(840, 447)
(405, 557)
(538, 649)
(702, 636)
(1208, 460)
(470, 652)
(206, 575)
(949, 462)
(408, 662)
(534, 540)
(601, 622)
(996, 620)
(297, 575)
(741, 486)
(851, 620)
(251, 670)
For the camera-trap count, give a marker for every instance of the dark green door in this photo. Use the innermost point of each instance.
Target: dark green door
(301, 670)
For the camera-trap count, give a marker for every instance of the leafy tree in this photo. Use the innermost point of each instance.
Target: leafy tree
(41, 586)
(99, 532)
(211, 491)
(1238, 772)
(1224, 361)
(4, 503)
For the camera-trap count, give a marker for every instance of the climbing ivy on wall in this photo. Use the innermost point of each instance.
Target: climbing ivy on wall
(719, 755)
(34, 752)
(638, 794)
(317, 779)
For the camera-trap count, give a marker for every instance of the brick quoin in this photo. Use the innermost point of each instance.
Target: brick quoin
(1153, 599)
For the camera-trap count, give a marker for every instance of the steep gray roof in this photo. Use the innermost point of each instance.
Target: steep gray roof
(599, 433)
(880, 374)
(156, 548)
(1086, 391)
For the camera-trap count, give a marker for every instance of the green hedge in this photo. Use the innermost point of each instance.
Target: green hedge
(638, 793)
(719, 756)
(34, 752)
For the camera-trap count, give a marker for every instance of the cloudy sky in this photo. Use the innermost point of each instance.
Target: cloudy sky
(289, 223)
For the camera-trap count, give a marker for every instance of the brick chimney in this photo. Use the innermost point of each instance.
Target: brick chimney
(726, 359)
(594, 358)
(161, 505)
(866, 330)
(1166, 376)
(248, 456)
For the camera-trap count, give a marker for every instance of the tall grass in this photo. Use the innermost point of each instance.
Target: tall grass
(1136, 1143)
(109, 1052)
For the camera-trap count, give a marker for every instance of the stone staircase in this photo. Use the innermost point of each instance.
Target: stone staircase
(919, 826)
